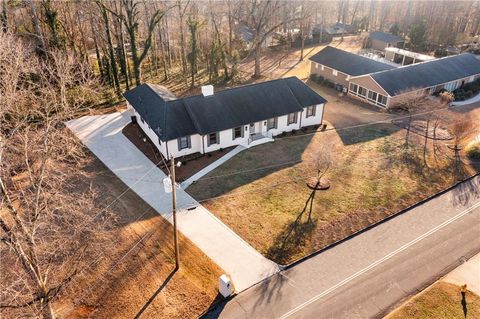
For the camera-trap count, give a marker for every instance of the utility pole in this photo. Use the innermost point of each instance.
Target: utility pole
(174, 210)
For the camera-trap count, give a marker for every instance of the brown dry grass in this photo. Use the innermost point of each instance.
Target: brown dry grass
(118, 286)
(371, 178)
(442, 300)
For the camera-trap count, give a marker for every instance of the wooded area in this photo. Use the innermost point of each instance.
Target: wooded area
(127, 42)
(60, 58)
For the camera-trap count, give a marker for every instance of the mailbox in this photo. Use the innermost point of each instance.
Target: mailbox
(225, 286)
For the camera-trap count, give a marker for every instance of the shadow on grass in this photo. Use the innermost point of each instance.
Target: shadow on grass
(254, 163)
(293, 237)
(155, 294)
(355, 135)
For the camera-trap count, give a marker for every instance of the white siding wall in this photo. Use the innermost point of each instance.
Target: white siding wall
(312, 120)
(195, 146)
(148, 131)
(226, 140)
(226, 136)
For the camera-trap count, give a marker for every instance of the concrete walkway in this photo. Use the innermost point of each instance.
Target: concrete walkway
(212, 166)
(471, 100)
(467, 273)
(102, 134)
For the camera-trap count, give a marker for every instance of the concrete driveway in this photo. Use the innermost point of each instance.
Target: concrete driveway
(102, 134)
(343, 111)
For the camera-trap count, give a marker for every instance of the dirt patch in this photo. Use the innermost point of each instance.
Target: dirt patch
(191, 164)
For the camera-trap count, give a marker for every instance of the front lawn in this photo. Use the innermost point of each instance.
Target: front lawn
(442, 300)
(260, 192)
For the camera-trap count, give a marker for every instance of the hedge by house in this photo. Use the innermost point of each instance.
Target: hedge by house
(321, 80)
(467, 91)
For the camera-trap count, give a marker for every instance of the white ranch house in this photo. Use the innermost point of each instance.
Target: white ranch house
(247, 115)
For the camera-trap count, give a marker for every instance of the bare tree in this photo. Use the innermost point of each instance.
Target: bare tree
(49, 220)
(131, 21)
(260, 17)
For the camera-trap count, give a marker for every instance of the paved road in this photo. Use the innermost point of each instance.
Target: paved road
(366, 276)
(102, 134)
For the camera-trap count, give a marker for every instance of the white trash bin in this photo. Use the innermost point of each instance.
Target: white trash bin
(225, 286)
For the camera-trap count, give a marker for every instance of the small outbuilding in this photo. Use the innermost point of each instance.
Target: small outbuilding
(378, 40)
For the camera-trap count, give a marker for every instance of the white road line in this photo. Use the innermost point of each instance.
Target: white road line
(376, 263)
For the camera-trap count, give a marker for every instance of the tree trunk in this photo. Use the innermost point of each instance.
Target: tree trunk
(97, 51)
(182, 37)
(4, 16)
(37, 29)
(258, 51)
(113, 63)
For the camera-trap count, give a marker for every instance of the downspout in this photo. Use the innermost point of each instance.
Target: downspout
(203, 144)
(300, 122)
(166, 147)
(323, 112)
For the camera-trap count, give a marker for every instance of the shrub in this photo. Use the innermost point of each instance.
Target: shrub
(328, 83)
(473, 150)
(320, 79)
(440, 52)
(447, 96)
(314, 77)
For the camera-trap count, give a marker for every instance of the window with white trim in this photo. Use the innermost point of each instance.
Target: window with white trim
(382, 99)
(311, 110)
(372, 96)
(353, 88)
(183, 142)
(271, 123)
(213, 138)
(362, 91)
(237, 132)
(292, 118)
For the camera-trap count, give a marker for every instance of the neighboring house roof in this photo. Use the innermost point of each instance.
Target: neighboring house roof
(428, 74)
(246, 33)
(385, 37)
(348, 63)
(339, 28)
(223, 110)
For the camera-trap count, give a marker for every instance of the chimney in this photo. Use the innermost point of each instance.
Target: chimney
(207, 90)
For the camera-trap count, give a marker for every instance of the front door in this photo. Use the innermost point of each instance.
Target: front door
(252, 128)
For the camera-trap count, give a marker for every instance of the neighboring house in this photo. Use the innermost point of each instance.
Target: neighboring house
(405, 57)
(380, 40)
(385, 88)
(246, 115)
(247, 35)
(335, 30)
(339, 66)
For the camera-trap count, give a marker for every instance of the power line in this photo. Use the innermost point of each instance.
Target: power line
(89, 289)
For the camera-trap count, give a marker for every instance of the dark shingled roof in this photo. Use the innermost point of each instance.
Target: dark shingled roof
(385, 37)
(428, 74)
(223, 110)
(348, 63)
